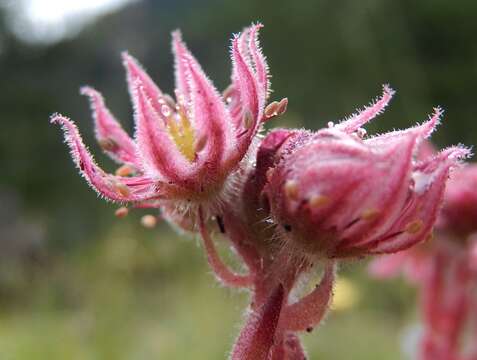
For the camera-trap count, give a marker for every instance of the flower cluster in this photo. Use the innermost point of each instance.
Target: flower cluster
(444, 270)
(291, 203)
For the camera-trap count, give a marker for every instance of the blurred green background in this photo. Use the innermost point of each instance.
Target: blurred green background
(77, 283)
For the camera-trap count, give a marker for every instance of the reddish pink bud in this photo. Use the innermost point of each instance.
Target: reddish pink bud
(459, 213)
(338, 195)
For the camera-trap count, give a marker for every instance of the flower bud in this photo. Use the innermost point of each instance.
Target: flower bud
(337, 195)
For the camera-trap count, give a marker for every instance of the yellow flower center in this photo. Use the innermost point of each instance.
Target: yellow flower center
(180, 129)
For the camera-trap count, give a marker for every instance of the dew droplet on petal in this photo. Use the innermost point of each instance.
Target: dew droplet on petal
(361, 133)
(166, 110)
(331, 124)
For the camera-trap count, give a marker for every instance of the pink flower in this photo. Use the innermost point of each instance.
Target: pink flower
(444, 271)
(337, 194)
(186, 149)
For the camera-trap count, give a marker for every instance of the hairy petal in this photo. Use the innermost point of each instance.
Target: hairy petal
(160, 154)
(180, 52)
(114, 188)
(119, 144)
(209, 114)
(368, 113)
(136, 73)
(421, 211)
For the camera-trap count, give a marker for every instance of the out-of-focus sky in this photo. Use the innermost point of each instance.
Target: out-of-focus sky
(50, 21)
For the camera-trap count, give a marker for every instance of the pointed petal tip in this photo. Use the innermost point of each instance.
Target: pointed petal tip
(387, 89)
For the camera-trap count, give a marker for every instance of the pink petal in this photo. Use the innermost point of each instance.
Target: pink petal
(107, 128)
(261, 66)
(246, 83)
(420, 213)
(114, 188)
(210, 117)
(180, 52)
(257, 336)
(368, 113)
(135, 73)
(161, 156)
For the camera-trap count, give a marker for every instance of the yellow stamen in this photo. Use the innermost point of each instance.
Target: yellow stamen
(182, 133)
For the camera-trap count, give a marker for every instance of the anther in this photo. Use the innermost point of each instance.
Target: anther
(149, 221)
(121, 188)
(414, 226)
(317, 201)
(108, 144)
(247, 119)
(124, 170)
(282, 106)
(121, 212)
(291, 189)
(369, 214)
(271, 109)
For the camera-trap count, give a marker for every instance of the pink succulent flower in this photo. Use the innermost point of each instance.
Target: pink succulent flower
(444, 270)
(337, 194)
(186, 149)
(289, 204)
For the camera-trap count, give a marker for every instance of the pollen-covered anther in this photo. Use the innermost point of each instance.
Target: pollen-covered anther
(276, 108)
(149, 221)
(121, 212)
(121, 189)
(370, 214)
(271, 109)
(414, 226)
(107, 144)
(291, 189)
(124, 170)
(247, 119)
(317, 201)
(282, 106)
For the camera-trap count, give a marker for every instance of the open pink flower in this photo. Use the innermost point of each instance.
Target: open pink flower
(185, 149)
(337, 194)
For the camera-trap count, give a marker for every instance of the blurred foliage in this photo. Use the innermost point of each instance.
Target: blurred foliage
(75, 283)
